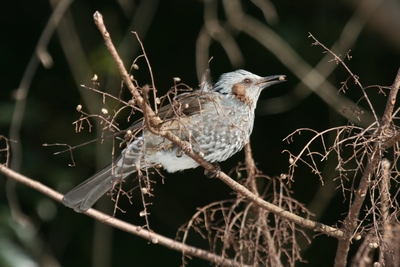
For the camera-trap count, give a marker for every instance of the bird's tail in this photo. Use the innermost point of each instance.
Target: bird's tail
(83, 197)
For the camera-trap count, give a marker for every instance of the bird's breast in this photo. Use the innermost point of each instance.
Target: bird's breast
(220, 130)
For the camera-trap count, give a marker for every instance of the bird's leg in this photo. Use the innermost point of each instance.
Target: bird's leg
(214, 173)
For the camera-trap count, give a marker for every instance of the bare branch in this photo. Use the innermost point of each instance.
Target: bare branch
(351, 221)
(155, 121)
(129, 228)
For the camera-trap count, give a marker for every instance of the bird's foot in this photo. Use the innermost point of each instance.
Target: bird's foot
(186, 148)
(214, 173)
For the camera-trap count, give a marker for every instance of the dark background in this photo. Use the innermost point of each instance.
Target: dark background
(53, 235)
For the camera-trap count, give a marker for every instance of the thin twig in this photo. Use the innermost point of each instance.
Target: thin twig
(355, 77)
(315, 226)
(310, 77)
(41, 56)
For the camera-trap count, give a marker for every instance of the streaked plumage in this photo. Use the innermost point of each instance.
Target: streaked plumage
(216, 121)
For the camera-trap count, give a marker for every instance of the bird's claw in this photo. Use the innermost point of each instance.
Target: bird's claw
(186, 149)
(214, 173)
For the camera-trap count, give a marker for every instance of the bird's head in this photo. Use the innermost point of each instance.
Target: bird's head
(245, 85)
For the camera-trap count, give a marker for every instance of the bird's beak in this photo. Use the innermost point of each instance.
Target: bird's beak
(270, 80)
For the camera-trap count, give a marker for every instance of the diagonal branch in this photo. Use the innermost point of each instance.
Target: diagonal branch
(124, 226)
(351, 221)
(153, 122)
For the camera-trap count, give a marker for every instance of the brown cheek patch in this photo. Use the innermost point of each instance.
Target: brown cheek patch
(239, 90)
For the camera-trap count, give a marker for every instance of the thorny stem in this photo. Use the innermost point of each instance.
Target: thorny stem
(351, 221)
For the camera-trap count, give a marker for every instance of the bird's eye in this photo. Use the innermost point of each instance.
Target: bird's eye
(247, 81)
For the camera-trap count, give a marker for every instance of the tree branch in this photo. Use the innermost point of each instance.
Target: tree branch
(129, 228)
(351, 221)
(155, 121)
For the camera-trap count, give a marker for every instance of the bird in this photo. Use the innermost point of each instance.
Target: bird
(216, 121)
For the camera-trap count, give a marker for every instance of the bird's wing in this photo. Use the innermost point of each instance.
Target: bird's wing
(82, 197)
(184, 105)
